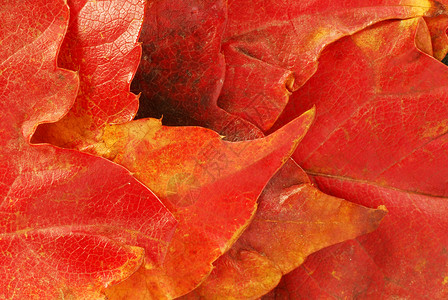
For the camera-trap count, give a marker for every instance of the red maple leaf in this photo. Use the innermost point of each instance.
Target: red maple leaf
(71, 223)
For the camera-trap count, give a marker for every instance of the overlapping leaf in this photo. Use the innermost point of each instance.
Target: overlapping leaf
(71, 224)
(197, 174)
(380, 138)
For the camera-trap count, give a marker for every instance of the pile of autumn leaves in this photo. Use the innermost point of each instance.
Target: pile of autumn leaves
(352, 92)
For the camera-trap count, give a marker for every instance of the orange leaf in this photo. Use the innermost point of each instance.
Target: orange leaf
(210, 185)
